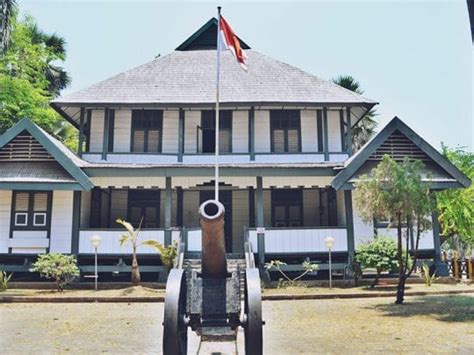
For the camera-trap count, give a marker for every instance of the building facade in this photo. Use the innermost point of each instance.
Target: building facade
(146, 153)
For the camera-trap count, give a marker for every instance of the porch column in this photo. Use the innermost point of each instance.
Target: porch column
(441, 267)
(252, 133)
(181, 135)
(260, 223)
(76, 222)
(349, 225)
(105, 140)
(325, 133)
(81, 132)
(168, 207)
(349, 131)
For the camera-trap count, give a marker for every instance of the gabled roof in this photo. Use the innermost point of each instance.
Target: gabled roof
(205, 38)
(424, 151)
(63, 170)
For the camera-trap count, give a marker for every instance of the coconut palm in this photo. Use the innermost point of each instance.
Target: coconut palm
(365, 128)
(8, 9)
(57, 77)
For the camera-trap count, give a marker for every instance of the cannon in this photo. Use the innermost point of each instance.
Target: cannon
(213, 295)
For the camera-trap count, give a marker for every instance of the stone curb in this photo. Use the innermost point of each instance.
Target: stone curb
(160, 299)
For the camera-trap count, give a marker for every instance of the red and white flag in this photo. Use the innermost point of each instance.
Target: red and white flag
(229, 39)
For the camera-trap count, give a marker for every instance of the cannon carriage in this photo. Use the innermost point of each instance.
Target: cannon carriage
(213, 296)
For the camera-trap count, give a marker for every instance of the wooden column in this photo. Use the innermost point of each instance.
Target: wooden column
(252, 133)
(81, 132)
(260, 222)
(76, 222)
(181, 135)
(349, 131)
(349, 225)
(168, 209)
(325, 133)
(105, 140)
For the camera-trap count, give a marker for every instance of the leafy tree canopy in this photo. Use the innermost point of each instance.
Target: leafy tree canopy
(456, 206)
(30, 77)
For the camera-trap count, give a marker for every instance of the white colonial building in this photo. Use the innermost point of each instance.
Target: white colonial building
(146, 151)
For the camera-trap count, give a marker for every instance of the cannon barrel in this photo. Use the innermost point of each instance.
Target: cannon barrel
(214, 264)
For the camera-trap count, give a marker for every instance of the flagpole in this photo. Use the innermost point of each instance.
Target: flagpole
(216, 155)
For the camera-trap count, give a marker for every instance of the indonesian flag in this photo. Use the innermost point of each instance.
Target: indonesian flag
(228, 38)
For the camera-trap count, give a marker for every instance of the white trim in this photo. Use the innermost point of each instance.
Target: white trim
(21, 224)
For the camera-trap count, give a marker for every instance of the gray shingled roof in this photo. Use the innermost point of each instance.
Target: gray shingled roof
(188, 77)
(31, 171)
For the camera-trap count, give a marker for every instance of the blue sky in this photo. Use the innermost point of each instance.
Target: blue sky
(414, 58)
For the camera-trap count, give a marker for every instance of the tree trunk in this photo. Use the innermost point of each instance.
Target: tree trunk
(401, 266)
(376, 280)
(135, 269)
(400, 290)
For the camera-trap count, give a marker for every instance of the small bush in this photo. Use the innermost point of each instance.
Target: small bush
(380, 254)
(168, 253)
(426, 276)
(4, 279)
(59, 267)
(288, 281)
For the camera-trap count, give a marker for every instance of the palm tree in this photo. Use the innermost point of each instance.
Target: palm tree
(365, 128)
(8, 10)
(58, 78)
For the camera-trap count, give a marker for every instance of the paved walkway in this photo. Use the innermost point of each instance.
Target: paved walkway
(441, 324)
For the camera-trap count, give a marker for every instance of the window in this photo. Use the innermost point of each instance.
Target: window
(285, 131)
(287, 208)
(144, 207)
(147, 128)
(208, 127)
(31, 209)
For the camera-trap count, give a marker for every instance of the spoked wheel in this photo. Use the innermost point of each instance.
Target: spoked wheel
(175, 330)
(253, 313)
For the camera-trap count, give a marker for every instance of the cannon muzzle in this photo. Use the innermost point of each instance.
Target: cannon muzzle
(214, 264)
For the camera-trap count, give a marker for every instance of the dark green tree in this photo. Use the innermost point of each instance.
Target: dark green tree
(395, 190)
(363, 131)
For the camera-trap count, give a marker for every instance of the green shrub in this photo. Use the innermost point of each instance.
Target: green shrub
(168, 253)
(287, 280)
(4, 279)
(380, 254)
(59, 267)
(426, 276)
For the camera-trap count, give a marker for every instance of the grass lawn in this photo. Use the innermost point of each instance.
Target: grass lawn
(429, 324)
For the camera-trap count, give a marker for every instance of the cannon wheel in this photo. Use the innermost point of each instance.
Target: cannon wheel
(253, 312)
(175, 331)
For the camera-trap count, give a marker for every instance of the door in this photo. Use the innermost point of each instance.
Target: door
(225, 198)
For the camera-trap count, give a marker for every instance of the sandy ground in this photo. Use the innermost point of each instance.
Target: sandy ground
(429, 324)
(150, 292)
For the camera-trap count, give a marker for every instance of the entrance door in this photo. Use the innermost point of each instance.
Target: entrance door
(226, 199)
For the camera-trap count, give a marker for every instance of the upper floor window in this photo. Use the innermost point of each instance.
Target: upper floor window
(285, 131)
(208, 128)
(32, 210)
(147, 131)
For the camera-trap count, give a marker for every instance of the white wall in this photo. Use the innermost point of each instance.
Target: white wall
(122, 130)
(170, 131)
(310, 207)
(341, 208)
(240, 131)
(97, 131)
(191, 120)
(29, 242)
(363, 232)
(5, 214)
(240, 218)
(309, 131)
(334, 131)
(61, 222)
(262, 131)
(85, 208)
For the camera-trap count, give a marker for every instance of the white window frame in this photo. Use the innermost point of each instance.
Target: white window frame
(44, 214)
(21, 214)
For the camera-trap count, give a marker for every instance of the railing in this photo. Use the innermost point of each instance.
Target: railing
(110, 240)
(208, 158)
(299, 240)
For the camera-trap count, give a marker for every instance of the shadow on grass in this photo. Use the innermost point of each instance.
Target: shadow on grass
(449, 308)
(382, 288)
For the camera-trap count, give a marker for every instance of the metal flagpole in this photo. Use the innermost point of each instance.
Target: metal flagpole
(216, 155)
